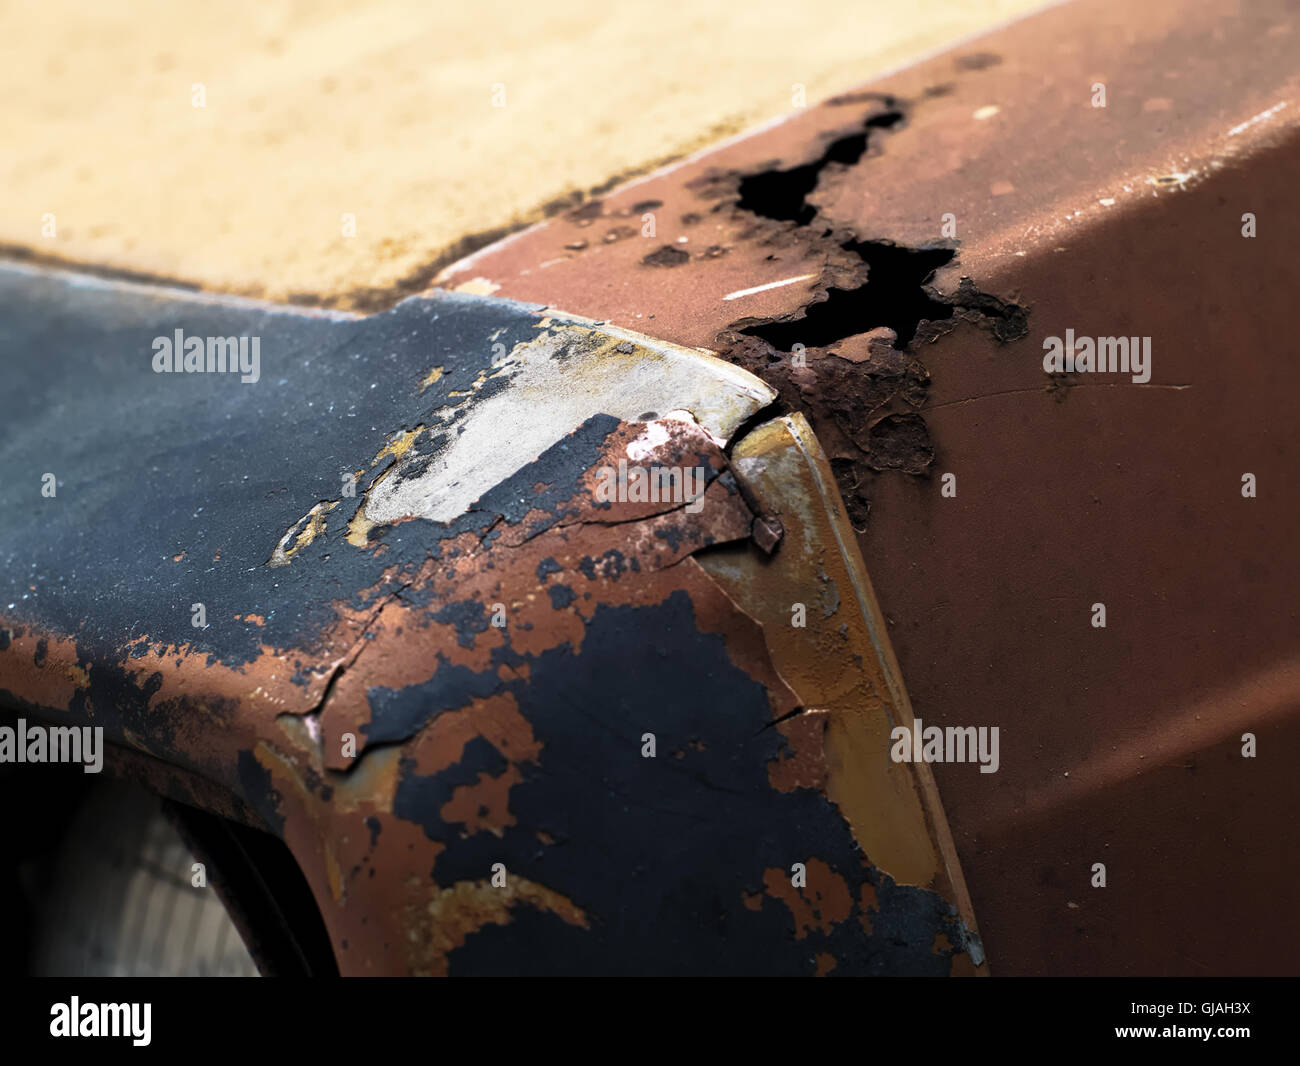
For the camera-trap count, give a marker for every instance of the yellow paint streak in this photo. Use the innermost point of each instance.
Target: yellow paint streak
(467, 906)
(830, 662)
(401, 442)
(359, 527)
(312, 526)
(372, 782)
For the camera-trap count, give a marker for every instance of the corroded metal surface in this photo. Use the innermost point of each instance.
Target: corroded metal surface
(433, 650)
(924, 348)
(838, 662)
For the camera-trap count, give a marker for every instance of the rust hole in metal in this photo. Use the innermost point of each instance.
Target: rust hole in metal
(782, 195)
(894, 294)
(860, 384)
(893, 297)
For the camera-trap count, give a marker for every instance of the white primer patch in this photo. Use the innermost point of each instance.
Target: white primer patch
(569, 372)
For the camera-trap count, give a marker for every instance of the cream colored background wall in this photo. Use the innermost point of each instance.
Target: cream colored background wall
(385, 111)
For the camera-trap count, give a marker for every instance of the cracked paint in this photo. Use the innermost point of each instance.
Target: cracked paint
(359, 700)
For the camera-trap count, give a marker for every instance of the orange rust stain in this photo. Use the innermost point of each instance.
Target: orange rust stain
(825, 963)
(494, 718)
(411, 656)
(550, 629)
(399, 660)
(264, 683)
(802, 763)
(53, 683)
(515, 535)
(405, 651)
(484, 805)
(406, 647)
(962, 966)
(332, 843)
(819, 907)
(331, 838)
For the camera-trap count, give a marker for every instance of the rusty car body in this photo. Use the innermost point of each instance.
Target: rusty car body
(505, 724)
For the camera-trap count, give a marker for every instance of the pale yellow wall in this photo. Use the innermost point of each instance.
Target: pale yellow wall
(384, 110)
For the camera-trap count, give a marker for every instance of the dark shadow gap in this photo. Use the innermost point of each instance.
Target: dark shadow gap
(782, 195)
(893, 296)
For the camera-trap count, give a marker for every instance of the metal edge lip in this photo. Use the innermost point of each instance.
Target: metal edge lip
(810, 448)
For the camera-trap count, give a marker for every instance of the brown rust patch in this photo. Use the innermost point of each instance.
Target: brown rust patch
(820, 906)
(496, 719)
(485, 805)
(802, 763)
(43, 669)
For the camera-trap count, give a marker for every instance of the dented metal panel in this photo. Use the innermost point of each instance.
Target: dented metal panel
(505, 720)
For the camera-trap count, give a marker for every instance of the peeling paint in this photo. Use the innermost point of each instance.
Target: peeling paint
(358, 697)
